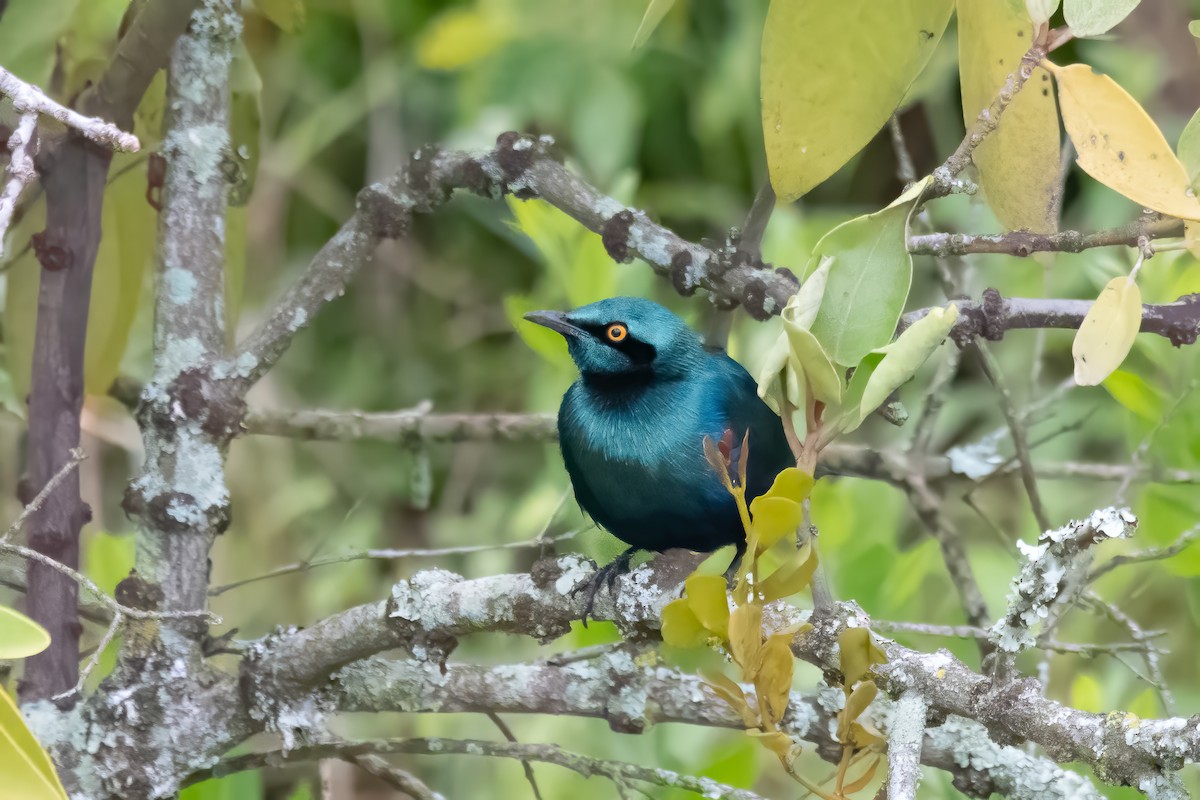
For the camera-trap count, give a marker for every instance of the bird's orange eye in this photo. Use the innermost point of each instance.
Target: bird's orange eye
(616, 332)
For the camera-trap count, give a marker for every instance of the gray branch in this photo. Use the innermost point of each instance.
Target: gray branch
(904, 746)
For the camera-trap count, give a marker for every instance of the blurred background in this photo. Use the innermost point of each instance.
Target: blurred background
(350, 87)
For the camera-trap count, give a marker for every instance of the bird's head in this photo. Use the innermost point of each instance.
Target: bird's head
(624, 336)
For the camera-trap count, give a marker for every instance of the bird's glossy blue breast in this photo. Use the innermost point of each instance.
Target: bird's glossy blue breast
(636, 459)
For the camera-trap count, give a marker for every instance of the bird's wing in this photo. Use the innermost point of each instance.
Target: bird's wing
(745, 411)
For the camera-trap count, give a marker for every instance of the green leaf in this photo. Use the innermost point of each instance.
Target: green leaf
(235, 267)
(822, 376)
(26, 767)
(869, 278)
(1018, 162)
(543, 341)
(847, 64)
(1188, 149)
(1087, 694)
(655, 12)
(803, 306)
(20, 637)
(903, 357)
(1040, 11)
(680, 626)
(774, 518)
(1136, 395)
(708, 601)
(1094, 17)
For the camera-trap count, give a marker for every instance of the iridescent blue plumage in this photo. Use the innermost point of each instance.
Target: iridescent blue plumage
(632, 428)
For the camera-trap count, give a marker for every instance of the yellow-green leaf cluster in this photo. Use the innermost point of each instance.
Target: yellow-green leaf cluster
(832, 73)
(27, 770)
(1017, 162)
(20, 637)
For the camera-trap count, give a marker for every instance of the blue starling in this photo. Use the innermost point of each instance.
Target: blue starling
(632, 430)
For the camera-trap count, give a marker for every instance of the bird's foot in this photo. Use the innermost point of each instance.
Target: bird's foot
(605, 576)
(732, 570)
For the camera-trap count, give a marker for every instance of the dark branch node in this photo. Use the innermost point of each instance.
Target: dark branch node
(682, 276)
(385, 215)
(615, 236)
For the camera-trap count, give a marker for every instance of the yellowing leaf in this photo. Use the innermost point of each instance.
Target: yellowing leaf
(1094, 17)
(775, 674)
(903, 357)
(745, 637)
(802, 307)
(27, 770)
(791, 576)
(20, 637)
(459, 37)
(706, 597)
(858, 654)
(680, 628)
(1120, 146)
(792, 483)
(1108, 331)
(1018, 162)
(654, 15)
(863, 736)
(288, 15)
(774, 518)
(832, 74)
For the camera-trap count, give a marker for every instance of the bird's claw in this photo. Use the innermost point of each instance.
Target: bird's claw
(605, 576)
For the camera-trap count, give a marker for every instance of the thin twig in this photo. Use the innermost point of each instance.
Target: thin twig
(390, 554)
(1149, 554)
(508, 734)
(26, 97)
(399, 779)
(616, 771)
(109, 634)
(1025, 243)
(1151, 653)
(20, 170)
(77, 455)
(991, 369)
(1086, 649)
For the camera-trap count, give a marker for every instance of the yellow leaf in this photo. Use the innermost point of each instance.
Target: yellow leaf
(1018, 162)
(745, 638)
(858, 654)
(459, 37)
(791, 576)
(680, 628)
(863, 736)
(1119, 145)
(861, 781)
(774, 678)
(858, 701)
(20, 637)
(27, 769)
(847, 64)
(725, 688)
(706, 597)
(777, 742)
(792, 483)
(1087, 694)
(774, 518)
(1107, 332)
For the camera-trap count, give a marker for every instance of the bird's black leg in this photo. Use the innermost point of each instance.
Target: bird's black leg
(606, 575)
(731, 570)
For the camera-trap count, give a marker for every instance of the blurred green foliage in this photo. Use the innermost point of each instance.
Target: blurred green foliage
(348, 87)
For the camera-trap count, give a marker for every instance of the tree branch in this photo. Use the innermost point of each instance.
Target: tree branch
(619, 772)
(1024, 243)
(904, 746)
(28, 99)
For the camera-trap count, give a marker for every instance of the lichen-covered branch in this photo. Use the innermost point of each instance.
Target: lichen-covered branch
(1025, 243)
(20, 172)
(408, 426)
(1054, 572)
(904, 746)
(427, 614)
(29, 100)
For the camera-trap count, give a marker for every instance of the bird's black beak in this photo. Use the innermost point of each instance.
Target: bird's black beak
(555, 321)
